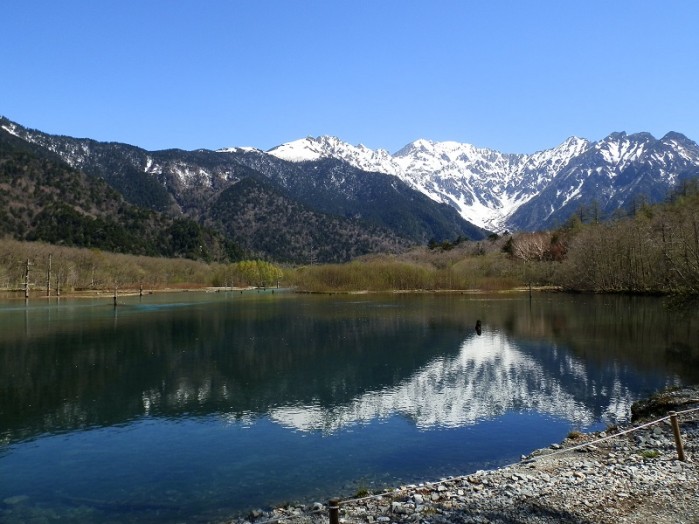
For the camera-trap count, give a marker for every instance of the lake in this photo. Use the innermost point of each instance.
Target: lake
(200, 406)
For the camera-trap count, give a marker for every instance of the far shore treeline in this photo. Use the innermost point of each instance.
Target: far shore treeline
(654, 250)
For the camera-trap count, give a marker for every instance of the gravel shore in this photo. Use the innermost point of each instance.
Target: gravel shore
(628, 478)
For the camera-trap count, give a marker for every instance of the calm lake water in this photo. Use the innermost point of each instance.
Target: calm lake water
(199, 406)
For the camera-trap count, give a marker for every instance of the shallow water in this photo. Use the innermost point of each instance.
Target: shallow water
(197, 406)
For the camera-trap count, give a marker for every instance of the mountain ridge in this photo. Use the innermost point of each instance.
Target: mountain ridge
(488, 187)
(332, 212)
(425, 190)
(42, 198)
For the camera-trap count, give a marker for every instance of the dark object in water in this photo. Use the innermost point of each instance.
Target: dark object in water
(478, 327)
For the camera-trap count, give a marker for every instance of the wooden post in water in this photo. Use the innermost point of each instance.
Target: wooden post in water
(334, 511)
(115, 295)
(678, 436)
(140, 290)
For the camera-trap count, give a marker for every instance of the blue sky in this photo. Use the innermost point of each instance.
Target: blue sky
(518, 76)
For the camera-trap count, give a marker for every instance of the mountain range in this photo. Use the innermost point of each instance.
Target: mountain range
(498, 191)
(321, 199)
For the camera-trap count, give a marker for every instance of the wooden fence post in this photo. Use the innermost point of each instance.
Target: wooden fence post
(334, 510)
(678, 437)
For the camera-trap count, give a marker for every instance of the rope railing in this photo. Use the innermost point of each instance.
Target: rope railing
(670, 416)
(333, 507)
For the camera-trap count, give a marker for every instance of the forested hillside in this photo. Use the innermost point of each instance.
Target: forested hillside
(266, 222)
(42, 198)
(656, 250)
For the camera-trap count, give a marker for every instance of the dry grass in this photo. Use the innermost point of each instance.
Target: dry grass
(469, 266)
(79, 270)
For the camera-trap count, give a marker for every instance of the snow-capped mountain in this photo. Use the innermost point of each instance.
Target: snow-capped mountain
(324, 212)
(493, 189)
(612, 174)
(426, 190)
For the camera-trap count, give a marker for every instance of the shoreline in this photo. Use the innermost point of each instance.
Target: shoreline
(627, 477)
(18, 294)
(126, 292)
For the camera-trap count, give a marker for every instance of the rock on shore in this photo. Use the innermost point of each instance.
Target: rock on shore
(630, 478)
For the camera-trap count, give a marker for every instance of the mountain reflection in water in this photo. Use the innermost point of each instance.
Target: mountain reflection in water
(490, 376)
(319, 363)
(306, 394)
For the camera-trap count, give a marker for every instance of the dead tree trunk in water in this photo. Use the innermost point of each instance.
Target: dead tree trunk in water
(26, 281)
(48, 279)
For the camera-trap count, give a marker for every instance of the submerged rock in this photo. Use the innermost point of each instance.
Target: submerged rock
(17, 499)
(659, 404)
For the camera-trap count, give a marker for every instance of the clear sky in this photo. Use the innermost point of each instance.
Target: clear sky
(517, 76)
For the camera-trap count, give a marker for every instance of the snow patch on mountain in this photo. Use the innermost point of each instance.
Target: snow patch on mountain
(359, 156)
(242, 149)
(620, 151)
(12, 129)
